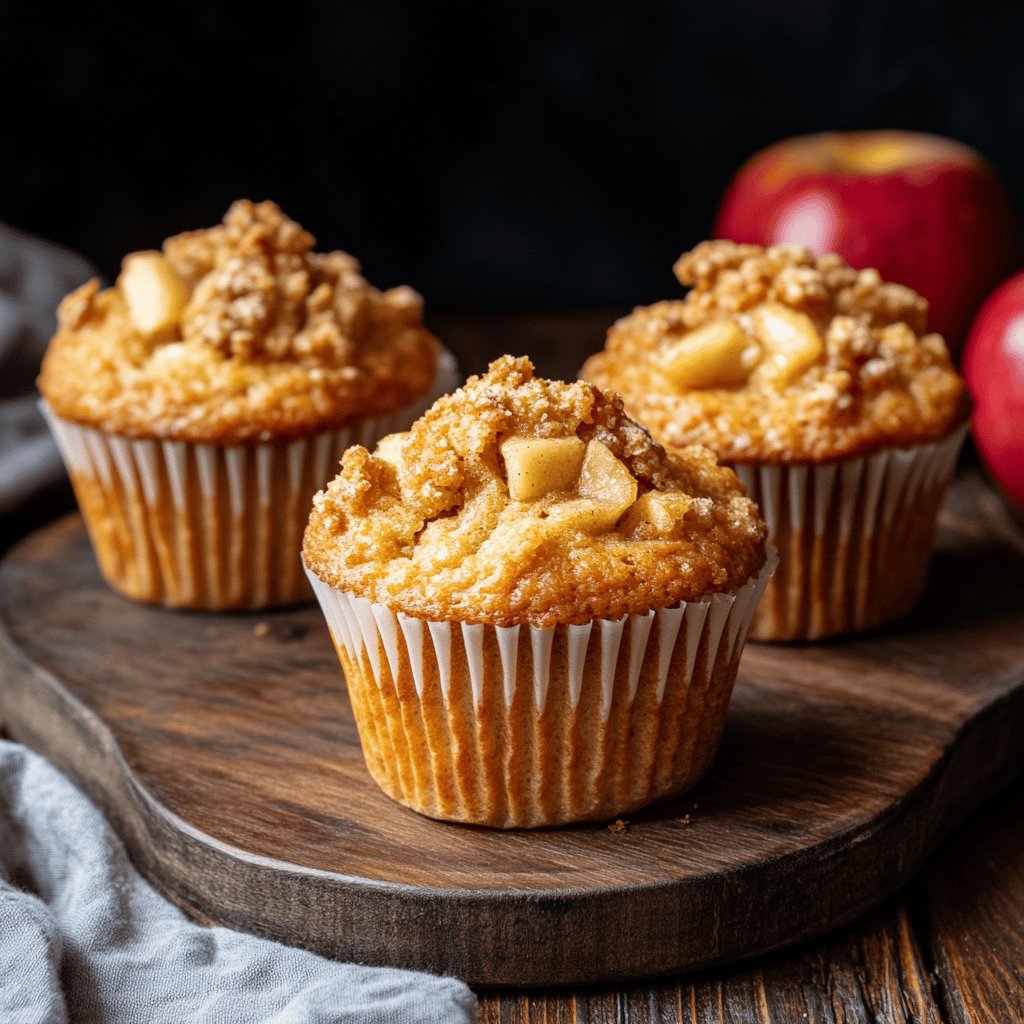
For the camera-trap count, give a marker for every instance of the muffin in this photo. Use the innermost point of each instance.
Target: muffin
(201, 402)
(820, 386)
(538, 611)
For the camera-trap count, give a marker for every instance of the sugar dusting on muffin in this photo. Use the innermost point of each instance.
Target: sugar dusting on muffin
(239, 332)
(776, 355)
(518, 499)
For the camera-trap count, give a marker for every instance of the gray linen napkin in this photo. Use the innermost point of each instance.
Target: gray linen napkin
(34, 276)
(84, 938)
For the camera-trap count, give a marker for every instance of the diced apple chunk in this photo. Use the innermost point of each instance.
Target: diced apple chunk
(604, 490)
(588, 515)
(153, 291)
(791, 342)
(389, 449)
(661, 509)
(536, 466)
(712, 356)
(603, 477)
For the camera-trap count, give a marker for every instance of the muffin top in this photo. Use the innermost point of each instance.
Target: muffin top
(778, 356)
(237, 333)
(518, 500)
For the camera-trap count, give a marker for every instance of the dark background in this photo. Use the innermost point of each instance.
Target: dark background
(494, 155)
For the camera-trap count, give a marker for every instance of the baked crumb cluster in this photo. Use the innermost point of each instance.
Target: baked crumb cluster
(520, 500)
(728, 278)
(776, 355)
(234, 333)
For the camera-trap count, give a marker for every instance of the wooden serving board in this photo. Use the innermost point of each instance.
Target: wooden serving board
(223, 749)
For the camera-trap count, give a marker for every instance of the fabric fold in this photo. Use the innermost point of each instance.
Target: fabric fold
(84, 938)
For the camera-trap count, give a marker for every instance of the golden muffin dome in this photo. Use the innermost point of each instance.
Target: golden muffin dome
(237, 333)
(776, 355)
(522, 500)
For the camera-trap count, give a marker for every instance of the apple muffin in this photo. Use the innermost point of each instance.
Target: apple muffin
(201, 401)
(821, 387)
(539, 612)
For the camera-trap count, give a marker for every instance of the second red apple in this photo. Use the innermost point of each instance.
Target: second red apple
(994, 368)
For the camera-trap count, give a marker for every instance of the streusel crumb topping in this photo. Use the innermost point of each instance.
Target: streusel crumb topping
(777, 355)
(239, 332)
(518, 500)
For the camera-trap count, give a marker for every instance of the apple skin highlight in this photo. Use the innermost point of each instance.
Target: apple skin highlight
(924, 211)
(994, 370)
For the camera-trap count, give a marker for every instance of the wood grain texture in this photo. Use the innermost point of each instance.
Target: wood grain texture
(867, 973)
(951, 949)
(973, 898)
(224, 751)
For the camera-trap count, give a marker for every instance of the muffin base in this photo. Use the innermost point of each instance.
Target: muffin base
(854, 537)
(520, 727)
(208, 526)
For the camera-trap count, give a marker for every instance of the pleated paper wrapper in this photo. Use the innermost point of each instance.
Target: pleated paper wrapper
(521, 726)
(211, 526)
(854, 537)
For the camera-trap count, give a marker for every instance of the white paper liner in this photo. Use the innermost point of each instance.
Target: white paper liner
(211, 526)
(854, 537)
(522, 726)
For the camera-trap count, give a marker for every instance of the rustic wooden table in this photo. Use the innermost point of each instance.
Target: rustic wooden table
(949, 949)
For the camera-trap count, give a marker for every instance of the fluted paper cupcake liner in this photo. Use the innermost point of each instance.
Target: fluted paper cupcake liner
(854, 537)
(210, 526)
(523, 726)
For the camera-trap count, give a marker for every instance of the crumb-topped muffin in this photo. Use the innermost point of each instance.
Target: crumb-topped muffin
(776, 355)
(202, 400)
(518, 500)
(576, 583)
(821, 386)
(240, 332)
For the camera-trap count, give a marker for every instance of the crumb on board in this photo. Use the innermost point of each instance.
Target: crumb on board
(618, 825)
(280, 630)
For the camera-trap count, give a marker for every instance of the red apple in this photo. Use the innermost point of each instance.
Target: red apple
(923, 210)
(994, 368)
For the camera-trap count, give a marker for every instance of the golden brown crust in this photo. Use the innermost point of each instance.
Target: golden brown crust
(274, 341)
(880, 381)
(437, 536)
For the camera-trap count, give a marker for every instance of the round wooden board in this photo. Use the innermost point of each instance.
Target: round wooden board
(223, 749)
